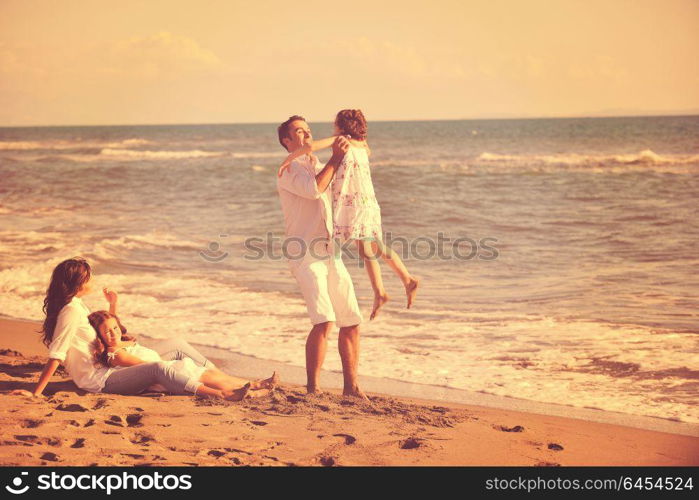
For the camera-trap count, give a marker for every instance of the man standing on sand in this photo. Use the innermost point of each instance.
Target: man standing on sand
(325, 284)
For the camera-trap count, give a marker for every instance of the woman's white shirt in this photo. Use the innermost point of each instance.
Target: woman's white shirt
(72, 344)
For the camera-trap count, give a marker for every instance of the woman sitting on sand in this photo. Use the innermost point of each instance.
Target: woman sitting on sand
(73, 341)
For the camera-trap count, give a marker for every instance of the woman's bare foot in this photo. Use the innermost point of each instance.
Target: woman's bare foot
(237, 394)
(268, 383)
(411, 290)
(379, 301)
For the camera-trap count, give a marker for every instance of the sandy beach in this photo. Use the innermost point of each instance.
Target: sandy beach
(71, 427)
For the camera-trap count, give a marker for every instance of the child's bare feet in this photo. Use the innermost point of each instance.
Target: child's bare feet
(411, 290)
(268, 383)
(237, 394)
(379, 301)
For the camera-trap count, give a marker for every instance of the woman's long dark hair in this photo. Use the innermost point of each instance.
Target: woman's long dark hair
(67, 279)
(100, 348)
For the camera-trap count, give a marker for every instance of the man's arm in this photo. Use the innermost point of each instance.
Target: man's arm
(302, 183)
(323, 178)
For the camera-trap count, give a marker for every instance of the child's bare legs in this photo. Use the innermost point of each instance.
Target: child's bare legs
(396, 264)
(234, 395)
(267, 383)
(231, 381)
(216, 379)
(239, 394)
(369, 253)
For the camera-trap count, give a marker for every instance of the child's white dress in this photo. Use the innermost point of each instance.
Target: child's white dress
(356, 213)
(185, 366)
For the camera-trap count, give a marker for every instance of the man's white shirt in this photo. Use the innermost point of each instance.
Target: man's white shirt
(307, 211)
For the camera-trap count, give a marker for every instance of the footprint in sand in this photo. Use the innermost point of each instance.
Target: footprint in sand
(50, 457)
(547, 464)
(115, 420)
(555, 447)
(28, 439)
(349, 439)
(79, 443)
(134, 420)
(516, 428)
(142, 438)
(216, 453)
(101, 403)
(10, 352)
(31, 424)
(410, 443)
(238, 450)
(258, 422)
(327, 461)
(71, 407)
(89, 423)
(439, 409)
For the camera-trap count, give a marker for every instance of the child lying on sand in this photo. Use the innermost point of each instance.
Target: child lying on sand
(113, 349)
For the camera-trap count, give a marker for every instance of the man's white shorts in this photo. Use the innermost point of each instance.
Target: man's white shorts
(327, 288)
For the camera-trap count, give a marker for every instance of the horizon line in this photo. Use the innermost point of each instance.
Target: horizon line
(677, 114)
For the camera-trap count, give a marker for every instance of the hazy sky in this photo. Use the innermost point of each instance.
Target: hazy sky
(182, 61)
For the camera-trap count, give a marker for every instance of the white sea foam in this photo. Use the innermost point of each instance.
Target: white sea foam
(596, 163)
(75, 144)
(257, 155)
(645, 157)
(159, 155)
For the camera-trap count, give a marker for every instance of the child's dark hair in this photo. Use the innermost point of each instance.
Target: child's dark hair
(100, 348)
(352, 122)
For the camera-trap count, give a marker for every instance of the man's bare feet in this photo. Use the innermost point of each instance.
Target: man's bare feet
(411, 290)
(313, 390)
(268, 383)
(355, 392)
(379, 301)
(237, 394)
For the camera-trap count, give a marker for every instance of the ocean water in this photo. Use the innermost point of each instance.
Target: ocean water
(576, 279)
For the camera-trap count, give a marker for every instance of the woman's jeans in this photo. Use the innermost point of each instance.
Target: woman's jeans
(138, 378)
